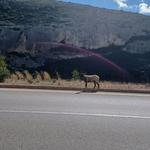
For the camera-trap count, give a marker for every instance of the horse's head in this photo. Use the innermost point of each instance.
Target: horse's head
(82, 75)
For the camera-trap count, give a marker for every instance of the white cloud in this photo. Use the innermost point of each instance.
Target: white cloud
(121, 3)
(144, 8)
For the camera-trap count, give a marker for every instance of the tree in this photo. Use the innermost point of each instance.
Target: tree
(4, 72)
(75, 74)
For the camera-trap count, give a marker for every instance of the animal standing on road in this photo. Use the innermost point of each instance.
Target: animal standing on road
(91, 78)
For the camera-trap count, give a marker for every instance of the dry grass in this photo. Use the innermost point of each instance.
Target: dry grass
(45, 76)
(80, 84)
(12, 79)
(20, 75)
(37, 77)
(28, 76)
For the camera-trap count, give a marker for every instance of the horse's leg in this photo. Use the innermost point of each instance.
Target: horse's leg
(98, 84)
(85, 84)
(94, 84)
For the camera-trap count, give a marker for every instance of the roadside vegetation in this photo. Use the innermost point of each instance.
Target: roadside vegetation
(28, 77)
(104, 85)
(4, 72)
(43, 78)
(58, 76)
(75, 75)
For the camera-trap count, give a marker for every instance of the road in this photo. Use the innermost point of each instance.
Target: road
(56, 120)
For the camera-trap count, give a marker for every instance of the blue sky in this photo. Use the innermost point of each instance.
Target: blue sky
(139, 6)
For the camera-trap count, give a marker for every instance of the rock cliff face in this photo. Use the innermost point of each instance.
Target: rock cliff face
(32, 31)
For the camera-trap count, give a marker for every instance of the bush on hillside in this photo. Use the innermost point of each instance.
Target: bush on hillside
(20, 75)
(28, 76)
(4, 72)
(13, 77)
(58, 76)
(75, 75)
(37, 76)
(46, 76)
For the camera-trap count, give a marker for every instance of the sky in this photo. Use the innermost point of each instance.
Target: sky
(139, 6)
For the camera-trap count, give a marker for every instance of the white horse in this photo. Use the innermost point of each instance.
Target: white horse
(91, 78)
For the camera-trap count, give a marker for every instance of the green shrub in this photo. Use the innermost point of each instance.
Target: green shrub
(75, 75)
(58, 76)
(4, 72)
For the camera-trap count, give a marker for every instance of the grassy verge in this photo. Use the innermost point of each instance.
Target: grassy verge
(78, 85)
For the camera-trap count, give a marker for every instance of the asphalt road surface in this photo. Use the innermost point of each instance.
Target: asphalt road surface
(56, 120)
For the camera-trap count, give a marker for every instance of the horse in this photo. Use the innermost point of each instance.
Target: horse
(91, 78)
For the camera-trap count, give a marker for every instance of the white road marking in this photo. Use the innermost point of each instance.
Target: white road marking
(35, 90)
(124, 94)
(74, 92)
(76, 114)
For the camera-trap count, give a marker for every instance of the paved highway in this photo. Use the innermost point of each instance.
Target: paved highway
(56, 120)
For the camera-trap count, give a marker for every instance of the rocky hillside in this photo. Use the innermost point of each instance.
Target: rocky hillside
(32, 33)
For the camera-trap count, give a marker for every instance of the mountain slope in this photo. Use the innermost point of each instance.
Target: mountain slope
(29, 28)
